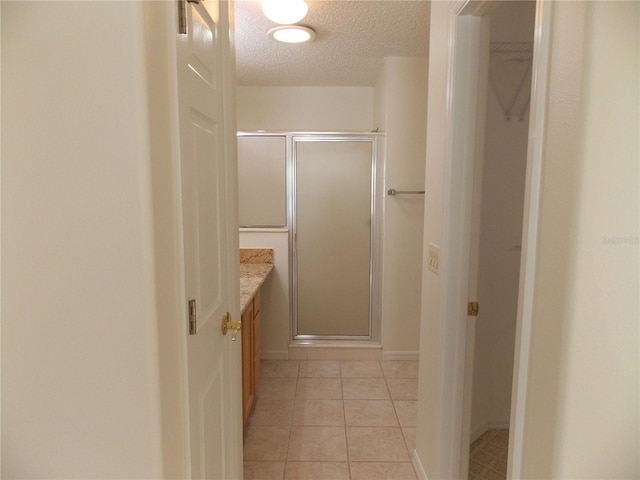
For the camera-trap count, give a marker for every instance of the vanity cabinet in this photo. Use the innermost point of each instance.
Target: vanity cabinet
(251, 349)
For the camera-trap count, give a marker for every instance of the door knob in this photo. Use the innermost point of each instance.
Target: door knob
(228, 324)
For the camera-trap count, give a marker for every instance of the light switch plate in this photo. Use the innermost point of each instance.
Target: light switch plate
(434, 257)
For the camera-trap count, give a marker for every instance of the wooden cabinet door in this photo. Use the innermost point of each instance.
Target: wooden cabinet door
(248, 386)
(257, 344)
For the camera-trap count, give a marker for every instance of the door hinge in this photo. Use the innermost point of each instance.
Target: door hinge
(182, 17)
(193, 321)
(472, 309)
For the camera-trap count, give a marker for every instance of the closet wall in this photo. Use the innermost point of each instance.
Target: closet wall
(503, 182)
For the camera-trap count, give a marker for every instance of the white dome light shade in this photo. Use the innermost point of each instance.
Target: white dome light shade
(292, 34)
(284, 12)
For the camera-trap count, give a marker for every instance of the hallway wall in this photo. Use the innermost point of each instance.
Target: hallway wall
(81, 383)
(582, 416)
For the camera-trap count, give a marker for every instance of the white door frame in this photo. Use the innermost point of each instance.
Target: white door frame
(528, 259)
(462, 101)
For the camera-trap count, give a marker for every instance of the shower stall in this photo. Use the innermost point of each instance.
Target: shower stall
(326, 190)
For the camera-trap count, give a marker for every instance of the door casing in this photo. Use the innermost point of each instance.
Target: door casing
(452, 372)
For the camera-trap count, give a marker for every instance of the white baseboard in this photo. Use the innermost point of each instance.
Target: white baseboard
(489, 424)
(400, 355)
(274, 355)
(417, 466)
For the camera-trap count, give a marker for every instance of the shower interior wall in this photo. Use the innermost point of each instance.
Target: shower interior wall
(307, 108)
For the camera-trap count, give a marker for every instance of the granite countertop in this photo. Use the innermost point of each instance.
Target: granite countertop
(252, 275)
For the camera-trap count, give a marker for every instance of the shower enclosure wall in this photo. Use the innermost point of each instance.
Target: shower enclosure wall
(326, 189)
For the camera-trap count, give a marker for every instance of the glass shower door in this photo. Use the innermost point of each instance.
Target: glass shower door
(333, 238)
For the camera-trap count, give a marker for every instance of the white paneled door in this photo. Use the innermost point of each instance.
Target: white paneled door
(202, 53)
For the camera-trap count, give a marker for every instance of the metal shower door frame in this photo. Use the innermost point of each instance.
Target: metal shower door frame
(375, 261)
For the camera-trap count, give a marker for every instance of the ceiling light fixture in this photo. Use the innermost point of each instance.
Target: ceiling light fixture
(292, 34)
(285, 12)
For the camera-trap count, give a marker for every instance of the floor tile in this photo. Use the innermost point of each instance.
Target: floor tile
(331, 420)
(501, 466)
(263, 470)
(317, 444)
(400, 369)
(370, 413)
(314, 412)
(360, 369)
(277, 388)
(266, 443)
(482, 457)
(271, 411)
(279, 368)
(488, 456)
(475, 469)
(382, 471)
(493, 449)
(317, 471)
(365, 388)
(403, 388)
(384, 444)
(319, 388)
(319, 368)
(492, 474)
(407, 411)
(409, 434)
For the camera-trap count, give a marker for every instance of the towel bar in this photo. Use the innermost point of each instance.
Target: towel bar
(393, 191)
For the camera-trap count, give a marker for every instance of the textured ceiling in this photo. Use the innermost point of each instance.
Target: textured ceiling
(352, 38)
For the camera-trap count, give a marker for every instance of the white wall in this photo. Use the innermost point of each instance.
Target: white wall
(274, 292)
(503, 175)
(91, 352)
(305, 108)
(581, 418)
(429, 431)
(80, 371)
(401, 112)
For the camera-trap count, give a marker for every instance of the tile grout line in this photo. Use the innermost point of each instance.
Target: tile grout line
(293, 407)
(344, 416)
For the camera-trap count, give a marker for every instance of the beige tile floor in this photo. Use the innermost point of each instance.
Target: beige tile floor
(330, 420)
(488, 456)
